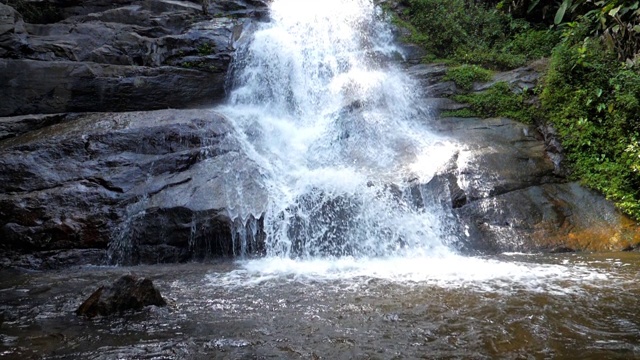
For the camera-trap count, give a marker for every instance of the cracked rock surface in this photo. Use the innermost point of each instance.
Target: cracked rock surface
(154, 179)
(118, 56)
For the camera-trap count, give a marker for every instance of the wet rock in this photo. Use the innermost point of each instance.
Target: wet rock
(126, 55)
(53, 259)
(443, 104)
(18, 125)
(127, 293)
(12, 31)
(63, 86)
(504, 193)
(160, 186)
(442, 89)
(428, 74)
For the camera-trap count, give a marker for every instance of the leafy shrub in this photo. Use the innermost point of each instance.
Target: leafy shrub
(490, 59)
(593, 102)
(472, 32)
(533, 44)
(498, 100)
(465, 75)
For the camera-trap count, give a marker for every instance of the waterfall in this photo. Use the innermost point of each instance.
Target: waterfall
(337, 127)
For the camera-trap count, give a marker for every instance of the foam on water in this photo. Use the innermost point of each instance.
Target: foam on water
(444, 270)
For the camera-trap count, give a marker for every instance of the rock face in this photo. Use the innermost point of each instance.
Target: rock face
(506, 189)
(157, 186)
(118, 56)
(152, 186)
(127, 293)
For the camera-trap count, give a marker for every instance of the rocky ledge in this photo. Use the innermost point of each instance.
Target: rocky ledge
(159, 186)
(82, 183)
(117, 56)
(506, 188)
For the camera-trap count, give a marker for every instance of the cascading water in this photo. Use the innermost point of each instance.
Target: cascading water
(338, 131)
(320, 105)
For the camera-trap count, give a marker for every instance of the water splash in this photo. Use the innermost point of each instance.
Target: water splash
(442, 270)
(319, 104)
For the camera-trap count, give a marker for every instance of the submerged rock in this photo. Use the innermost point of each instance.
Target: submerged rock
(127, 293)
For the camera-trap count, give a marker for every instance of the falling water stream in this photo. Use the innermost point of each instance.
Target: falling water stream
(355, 266)
(339, 132)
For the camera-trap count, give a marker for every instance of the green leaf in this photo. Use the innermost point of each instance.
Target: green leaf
(561, 10)
(614, 11)
(532, 6)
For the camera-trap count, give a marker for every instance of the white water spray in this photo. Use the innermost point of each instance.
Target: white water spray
(339, 133)
(338, 130)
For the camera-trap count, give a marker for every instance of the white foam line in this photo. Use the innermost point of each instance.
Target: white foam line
(446, 271)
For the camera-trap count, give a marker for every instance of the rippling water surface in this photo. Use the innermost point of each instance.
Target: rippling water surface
(510, 306)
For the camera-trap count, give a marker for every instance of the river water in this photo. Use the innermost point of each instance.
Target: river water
(511, 306)
(353, 267)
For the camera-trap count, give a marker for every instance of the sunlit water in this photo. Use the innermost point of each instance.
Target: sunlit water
(336, 126)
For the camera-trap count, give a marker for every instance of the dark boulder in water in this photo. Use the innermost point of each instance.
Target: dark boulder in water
(127, 293)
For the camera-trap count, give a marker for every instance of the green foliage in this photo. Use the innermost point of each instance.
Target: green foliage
(533, 44)
(471, 32)
(206, 49)
(465, 75)
(591, 92)
(491, 59)
(593, 102)
(498, 100)
(615, 22)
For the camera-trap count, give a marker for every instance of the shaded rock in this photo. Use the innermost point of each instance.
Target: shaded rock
(68, 86)
(428, 74)
(160, 186)
(442, 89)
(554, 148)
(497, 155)
(18, 125)
(13, 34)
(53, 259)
(126, 293)
(443, 104)
(551, 217)
(122, 56)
